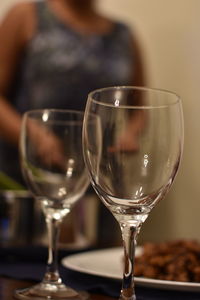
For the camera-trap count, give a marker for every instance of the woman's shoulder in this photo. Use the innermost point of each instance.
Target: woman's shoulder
(21, 17)
(112, 25)
(122, 26)
(21, 9)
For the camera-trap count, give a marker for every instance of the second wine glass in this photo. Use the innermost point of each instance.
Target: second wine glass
(132, 157)
(53, 167)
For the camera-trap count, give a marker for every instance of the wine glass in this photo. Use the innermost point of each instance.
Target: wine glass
(132, 157)
(53, 167)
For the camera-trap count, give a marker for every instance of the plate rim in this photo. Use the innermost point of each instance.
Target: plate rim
(140, 281)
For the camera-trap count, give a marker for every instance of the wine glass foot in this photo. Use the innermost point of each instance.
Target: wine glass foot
(47, 291)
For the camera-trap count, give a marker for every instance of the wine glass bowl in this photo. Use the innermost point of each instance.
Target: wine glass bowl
(53, 167)
(133, 156)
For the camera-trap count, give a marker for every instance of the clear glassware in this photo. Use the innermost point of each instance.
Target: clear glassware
(132, 157)
(53, 167)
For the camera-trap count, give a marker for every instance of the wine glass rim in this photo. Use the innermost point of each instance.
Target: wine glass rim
(176, 100)
(43, 110)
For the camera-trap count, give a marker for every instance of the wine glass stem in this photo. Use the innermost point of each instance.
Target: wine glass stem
(52, 273)
(129, 236)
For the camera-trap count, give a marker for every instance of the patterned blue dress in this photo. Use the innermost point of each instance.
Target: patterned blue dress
(60, 67)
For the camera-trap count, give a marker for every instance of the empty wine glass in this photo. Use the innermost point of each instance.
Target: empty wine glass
(132, 157)
(53, 167)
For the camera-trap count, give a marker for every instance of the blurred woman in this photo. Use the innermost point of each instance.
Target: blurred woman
(52, 54)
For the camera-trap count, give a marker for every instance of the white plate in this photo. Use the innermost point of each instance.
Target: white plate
(108, 263)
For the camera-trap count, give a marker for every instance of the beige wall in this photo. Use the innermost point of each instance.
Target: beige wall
(169, 32)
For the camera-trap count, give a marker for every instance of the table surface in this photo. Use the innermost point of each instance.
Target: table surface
(21, 268)
(8, 286)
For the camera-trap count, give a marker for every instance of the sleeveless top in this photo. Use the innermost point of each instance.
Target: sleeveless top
(60, 67)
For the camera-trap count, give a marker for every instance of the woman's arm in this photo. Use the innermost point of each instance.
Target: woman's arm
(15, 31)
(128, 140)
(139, 71)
